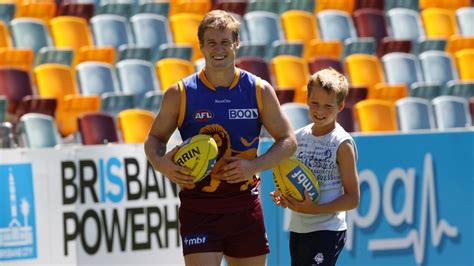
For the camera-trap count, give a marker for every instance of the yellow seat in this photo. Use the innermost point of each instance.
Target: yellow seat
(364, 70)
(185, 27)
(344, 5)
(292, 72)
(331, 49)
(439, 22)
(464, 61)
(134, 124)
(447, 4)
(104, 54)
(200, 7)
(374, 115)
(389, 92)
(457, 43)
(73, 106)
(15, 57)
(171, 70)
(5, 40)
(70, 32)
(43, 10)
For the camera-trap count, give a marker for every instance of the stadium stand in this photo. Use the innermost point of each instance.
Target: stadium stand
(451, 112)
(374, 115)
(37, 131)
(14, 85)
(414, 114)
(134, 125)
(97, 128)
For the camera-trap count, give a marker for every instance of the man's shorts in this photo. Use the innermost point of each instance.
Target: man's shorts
(239, 234)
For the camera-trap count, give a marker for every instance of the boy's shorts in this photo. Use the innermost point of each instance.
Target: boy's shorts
(239, 234)
(320, 248)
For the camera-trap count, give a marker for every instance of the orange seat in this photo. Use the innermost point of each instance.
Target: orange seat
(200, 7)
(5, 40)
(291, 72)
(344, 5)
(104, 54)
(389, 92)
(457, 43)
(43, 10)
(171, 70)
(439, 22)
(19, 58)
(364, 70)
(464, 60)
(447, 4)
(73, 106)
(184, 27)
(374, 115)
(135, 125)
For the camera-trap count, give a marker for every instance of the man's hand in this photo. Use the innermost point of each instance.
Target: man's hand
(236, 170)
(278, 198)
(177, 174)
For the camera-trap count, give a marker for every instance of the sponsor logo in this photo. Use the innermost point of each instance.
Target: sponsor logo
(17, 213)
(191, 240)
(319, 258)
(243, 113)
(222, 101)
(297, 175)
(203, 115)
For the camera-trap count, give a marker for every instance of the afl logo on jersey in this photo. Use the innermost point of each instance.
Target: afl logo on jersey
(203, 115)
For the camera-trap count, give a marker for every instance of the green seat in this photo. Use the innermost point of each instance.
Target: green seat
(152, 101)
(409, 4)
(52, 55)
(251, 49)
(124, 9)
(366, 45)
(265, 5)
(159, 8)
(182, 51)
(306, 5)
(134, 52)
(3, 107)
(425, 90)
(464, 89)
(7, 12)
(286, 48)
(437, 44)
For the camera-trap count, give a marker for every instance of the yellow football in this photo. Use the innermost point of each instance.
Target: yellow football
(199, 154)
(292, 177)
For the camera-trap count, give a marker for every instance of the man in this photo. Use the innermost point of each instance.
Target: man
(221, 215)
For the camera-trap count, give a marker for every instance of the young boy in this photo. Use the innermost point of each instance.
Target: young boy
(318, 231)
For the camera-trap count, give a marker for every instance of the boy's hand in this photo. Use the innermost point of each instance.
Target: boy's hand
(306, 206)
(278, 198)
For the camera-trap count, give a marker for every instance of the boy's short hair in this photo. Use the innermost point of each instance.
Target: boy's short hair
(331, 81)
(219, 19)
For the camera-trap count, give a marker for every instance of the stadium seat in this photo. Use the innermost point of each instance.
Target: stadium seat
(294, 48)
(134, 124)
(252, 50)
(97, 128)
(14, 85)
(365, 45)
(161, 8)
(36, 104)
(390, 45)
(377, 4)
(30, 33)
(234, 6)
(405, 24)
(255, 65)
(291, 72)
(317, 47)
(471, 108)
(3, 107)
(37, 131)
(264, 28)
(297, 113)
(355, 95)
(184, 28)
(198, 7)
(104, 54)
(169, 50)
(6, 135)
(370, 22)
(152, 101)
(345, 118)
(408, 4)
(264, 5)
(457, 43)
(464, 59)
(390, 92)
(344, 5)
(428, 44)
(7, 11)
(305, 5)
(439, 22)
(119, 8)
(151, 30)
(171, 70)
(336, 25)
(465, 20)
(402, 68)
(448, 4)
(374, 115)
(438, 67)
(414, 114)
(52, 55)
(451, 112)
(17, 57)
(285, 95)
(464, 89)
(71, 107)
(318, 63)
(76, 9)
(134, 51)
(137, 77)
(70, 32)
(43, 10)
(54, 80)
(110, 30)
(425, 90)
(364, 70)
(5, 39)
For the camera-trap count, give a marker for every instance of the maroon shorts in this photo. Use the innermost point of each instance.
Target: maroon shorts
(239, 234)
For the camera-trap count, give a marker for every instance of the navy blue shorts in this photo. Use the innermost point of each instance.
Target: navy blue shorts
(320, 248)
(239, 234)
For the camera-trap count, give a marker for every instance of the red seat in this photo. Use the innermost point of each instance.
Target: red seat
(390, 45)
(355, 95)
(235, 6)
(255, 65)
(346, 119)
(322, 62)
(97, 128)
(14, 84)
(36, 104)
(72, 8)
(377, 4)
(285, 95)
(370, 22)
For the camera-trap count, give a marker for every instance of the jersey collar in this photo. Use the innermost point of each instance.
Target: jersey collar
(203, 78)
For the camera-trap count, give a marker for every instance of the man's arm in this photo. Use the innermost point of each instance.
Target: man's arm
(277, 124)
(163, 126)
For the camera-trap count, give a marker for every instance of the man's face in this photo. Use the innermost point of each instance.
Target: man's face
(219, 48)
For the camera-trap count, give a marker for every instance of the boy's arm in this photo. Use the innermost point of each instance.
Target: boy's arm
(277, 124)
(163, 126)
(350, 181)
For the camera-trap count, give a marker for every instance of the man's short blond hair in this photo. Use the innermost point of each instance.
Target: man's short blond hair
(220, 20)
(331, 81)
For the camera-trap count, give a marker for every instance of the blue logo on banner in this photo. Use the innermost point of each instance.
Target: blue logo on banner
(17, 212)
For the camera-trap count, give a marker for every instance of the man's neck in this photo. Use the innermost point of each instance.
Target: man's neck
(220, 77)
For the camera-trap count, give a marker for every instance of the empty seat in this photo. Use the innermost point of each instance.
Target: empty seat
(234, 6)
(36, 104)
(104, 54)
(30, 33)
(390, 45)
(134, 52)
(402, 68)
(153, 7)
(374, 115)
(457, 43)
(344, 5)
(17, 57)
(255, 65)
(52, 55)
(345, 118)
(152, 101)
(171, 70)
(451, 112)
(370, 22)
(111, 30)
(76, 9)
(364, 70)
(425, 90)
(3, 107)
(43, 10)
(319, 63)
(408, 4)
(291, 72)
(439, 22)
(390, 92)
(405, 24)
(464, 59)
(135, 125)
(450, 4)
(14, 85)
(252, 50)
(365, 45)
(264, 5)
(465, 20)
(6, 135)
(414, 114)
(438, 67)
(294, 48)
(38, 131)
(297, 113)
(7, 11)
(170, 50)
(184, 27)
(97, 128)
(70, 32)
(198, 7)
(119, 8)
(5, 39)
(137, 77)
(377, 4)
(265, 28)
(464, 89)
(336, 25)
(355, 95)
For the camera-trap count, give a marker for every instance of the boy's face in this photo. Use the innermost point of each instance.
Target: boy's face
(219, 48)
(323, 107)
